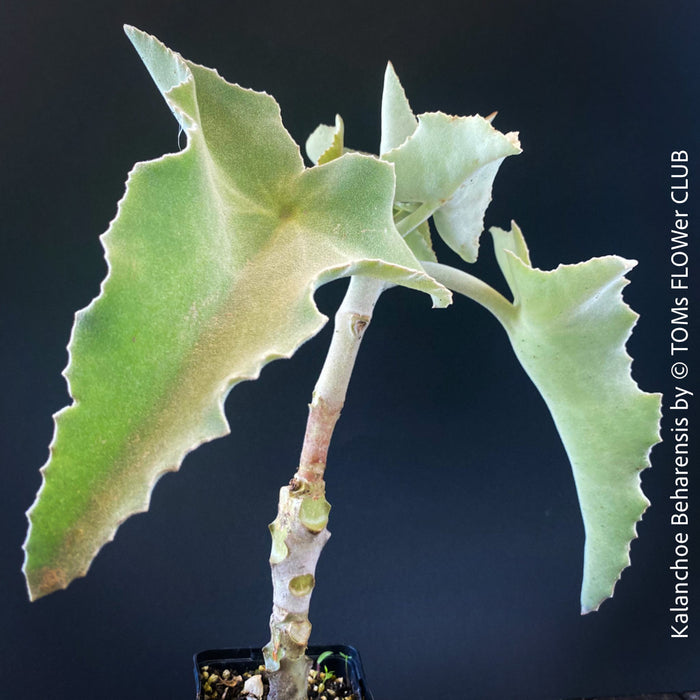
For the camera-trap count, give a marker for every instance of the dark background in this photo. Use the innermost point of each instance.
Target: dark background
(456, 555)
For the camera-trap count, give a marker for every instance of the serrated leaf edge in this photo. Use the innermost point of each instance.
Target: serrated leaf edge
(323, 277)
(622, 281)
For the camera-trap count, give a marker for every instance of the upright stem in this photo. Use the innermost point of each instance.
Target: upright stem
(299, 532)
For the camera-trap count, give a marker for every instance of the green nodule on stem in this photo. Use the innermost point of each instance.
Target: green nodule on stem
(302, 585)
(313, 512)
(279, 548)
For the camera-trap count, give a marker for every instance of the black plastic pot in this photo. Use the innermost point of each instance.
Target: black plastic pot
(248, 658)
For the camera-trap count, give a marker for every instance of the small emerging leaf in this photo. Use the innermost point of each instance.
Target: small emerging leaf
(450, 163)
(322, 657)
(213, 259)
(569, 333)
(326, 142)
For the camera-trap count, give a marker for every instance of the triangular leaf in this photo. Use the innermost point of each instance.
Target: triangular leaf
(450, 163)
(398, 120)
(213, 259)
(569, 333)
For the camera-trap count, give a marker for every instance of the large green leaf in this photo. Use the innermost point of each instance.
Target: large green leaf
(213, 259)
(569, 332)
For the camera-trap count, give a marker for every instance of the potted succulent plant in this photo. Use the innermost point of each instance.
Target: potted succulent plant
(214, 257)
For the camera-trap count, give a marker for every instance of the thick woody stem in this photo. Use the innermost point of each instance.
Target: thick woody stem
(299, 532)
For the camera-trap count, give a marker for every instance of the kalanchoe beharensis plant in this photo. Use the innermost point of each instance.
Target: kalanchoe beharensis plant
(214, 256)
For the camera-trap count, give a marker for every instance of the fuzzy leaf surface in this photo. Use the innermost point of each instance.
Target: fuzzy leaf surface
(450, 163)
(213, 259)
(569, 333)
